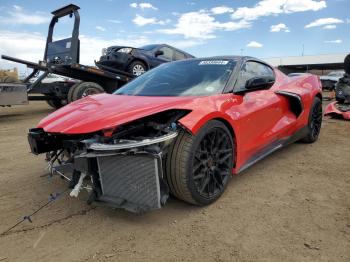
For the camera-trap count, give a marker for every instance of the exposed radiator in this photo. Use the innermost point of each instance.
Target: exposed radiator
(131, 182)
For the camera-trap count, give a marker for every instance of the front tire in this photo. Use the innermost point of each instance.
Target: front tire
(198, 168)
(315, 122)
(137, 68)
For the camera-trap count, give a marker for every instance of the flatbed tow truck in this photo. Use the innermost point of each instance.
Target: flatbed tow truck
(61, 57)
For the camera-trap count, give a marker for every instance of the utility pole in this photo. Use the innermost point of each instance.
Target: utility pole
(302, 52)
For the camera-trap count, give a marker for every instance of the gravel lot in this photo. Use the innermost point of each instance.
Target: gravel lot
(292, 206)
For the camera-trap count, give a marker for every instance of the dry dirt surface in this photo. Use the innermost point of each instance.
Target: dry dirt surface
(292, 206)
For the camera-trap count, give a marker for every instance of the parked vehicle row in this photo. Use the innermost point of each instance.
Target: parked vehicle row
(341, 107)
(331, 79)
(328, 81)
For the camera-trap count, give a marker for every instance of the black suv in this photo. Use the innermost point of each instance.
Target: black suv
(136, 61)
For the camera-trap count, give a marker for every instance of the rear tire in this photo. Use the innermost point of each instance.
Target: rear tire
(55, 103)
(315, 122)
(137, 68)
(84, 89)
(70, 92)
(198, 168)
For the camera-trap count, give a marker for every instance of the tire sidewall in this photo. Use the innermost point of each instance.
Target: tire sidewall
(71, 91)
(189, 168)
(82, 87)
(56, 104)
(316, 102)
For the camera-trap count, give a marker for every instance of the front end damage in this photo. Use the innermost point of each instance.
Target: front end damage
(120, 167)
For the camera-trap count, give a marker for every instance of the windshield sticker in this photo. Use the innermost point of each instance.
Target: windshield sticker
(213, 62)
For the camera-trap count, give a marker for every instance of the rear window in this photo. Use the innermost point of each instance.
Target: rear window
(179, 55)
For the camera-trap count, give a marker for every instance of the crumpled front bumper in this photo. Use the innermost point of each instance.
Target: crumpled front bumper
(338, 110)
(118, 60)
(128, 175)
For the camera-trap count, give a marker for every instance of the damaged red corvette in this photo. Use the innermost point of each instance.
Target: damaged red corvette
(183, 129)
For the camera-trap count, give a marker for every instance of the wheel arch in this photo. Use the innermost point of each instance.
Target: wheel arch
(75, 94)
(139, 59)
(194, 126)
(319, 95)
(233, 135)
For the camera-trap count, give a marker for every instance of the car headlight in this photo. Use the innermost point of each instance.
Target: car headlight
(125, 50)
(104, 51)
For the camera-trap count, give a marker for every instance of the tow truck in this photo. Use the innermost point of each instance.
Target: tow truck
(61, 57)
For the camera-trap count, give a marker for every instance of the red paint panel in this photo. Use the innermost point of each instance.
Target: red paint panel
(257, 118)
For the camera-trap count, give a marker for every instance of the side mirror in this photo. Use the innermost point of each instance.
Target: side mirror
(260, 82)
(158, 53)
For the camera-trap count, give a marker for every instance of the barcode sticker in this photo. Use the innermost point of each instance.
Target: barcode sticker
(213, 62)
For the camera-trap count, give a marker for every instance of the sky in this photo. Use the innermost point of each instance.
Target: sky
(264, 29)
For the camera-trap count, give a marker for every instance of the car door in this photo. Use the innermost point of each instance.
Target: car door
(260, 111)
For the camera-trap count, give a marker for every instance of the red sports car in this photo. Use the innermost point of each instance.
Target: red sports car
(183, 129)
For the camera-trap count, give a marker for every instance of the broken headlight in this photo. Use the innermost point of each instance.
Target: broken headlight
(126, 50)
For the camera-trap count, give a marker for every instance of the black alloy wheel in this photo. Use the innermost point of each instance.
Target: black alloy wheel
(198, 167)
(315, 122)
(212, 163)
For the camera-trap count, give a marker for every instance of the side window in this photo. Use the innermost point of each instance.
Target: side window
(168, 53)
(178, 55)
(252, 69)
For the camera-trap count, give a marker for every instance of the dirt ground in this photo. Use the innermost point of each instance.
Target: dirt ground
(292, 206)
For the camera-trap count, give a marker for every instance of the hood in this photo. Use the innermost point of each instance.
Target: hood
(117, 47)
(94, 113)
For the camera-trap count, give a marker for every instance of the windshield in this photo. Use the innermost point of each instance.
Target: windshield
(148, 47)
(183, 78)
